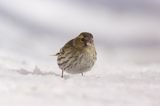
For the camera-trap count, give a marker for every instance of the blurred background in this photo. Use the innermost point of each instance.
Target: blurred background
(124, 30)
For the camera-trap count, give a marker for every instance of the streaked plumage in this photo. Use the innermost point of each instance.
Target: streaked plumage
(78, 55)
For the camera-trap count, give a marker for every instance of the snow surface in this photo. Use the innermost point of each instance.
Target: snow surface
(24, 83)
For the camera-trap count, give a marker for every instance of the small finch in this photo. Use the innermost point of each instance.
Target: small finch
(78, 55)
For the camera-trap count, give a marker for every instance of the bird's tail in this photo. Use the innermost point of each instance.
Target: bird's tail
(55, 54)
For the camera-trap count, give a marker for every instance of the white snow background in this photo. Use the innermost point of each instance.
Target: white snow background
(127, 36)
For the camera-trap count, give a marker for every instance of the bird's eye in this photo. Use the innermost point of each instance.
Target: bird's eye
(82, 39)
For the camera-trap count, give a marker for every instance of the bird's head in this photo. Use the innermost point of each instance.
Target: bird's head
(85, 39)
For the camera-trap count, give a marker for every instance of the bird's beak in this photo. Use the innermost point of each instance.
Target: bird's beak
(90, 42)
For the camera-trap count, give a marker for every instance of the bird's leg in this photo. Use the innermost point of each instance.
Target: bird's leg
(62, 74)
(82, 74)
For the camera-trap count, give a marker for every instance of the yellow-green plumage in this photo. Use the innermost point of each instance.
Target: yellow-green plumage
(78, 55)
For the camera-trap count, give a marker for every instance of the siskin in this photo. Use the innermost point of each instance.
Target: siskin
(78, 55)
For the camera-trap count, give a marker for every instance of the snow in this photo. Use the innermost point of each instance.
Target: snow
(109, 83)
(124, 74)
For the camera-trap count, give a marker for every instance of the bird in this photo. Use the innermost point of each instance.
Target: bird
(78, 55)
